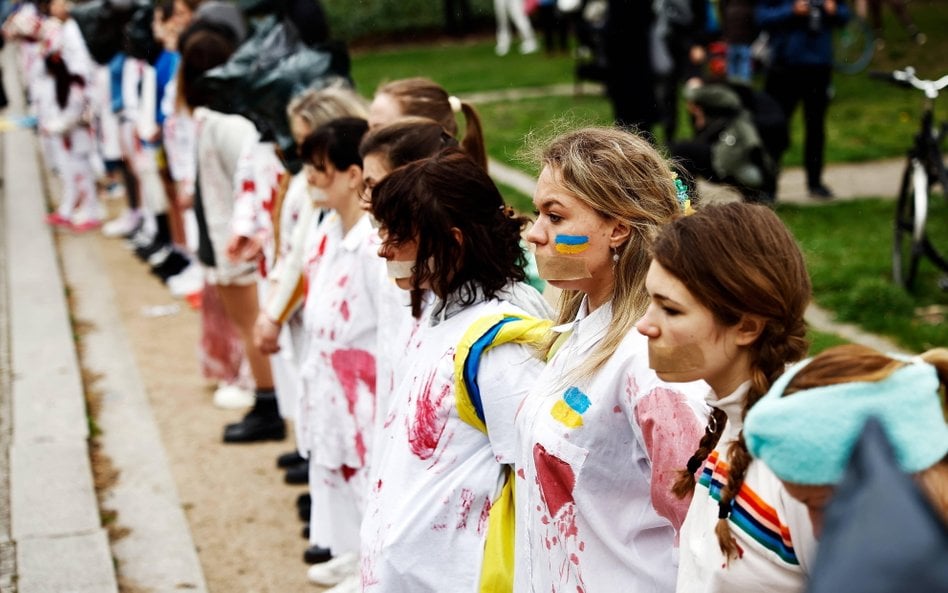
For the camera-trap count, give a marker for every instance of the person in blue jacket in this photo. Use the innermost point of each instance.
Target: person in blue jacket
(801, 70)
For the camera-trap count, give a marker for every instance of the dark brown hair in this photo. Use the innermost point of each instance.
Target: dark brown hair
(201, 50)
(406, 140)
(426, 201)
(739, 259)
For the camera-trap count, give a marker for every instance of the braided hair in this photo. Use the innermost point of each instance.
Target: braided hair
(755, 268)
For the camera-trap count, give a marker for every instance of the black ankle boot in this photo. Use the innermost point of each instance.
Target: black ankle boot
(317, 555)
(262, 423)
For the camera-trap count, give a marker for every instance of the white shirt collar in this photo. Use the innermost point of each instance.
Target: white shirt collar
(357, 234)
(732, 405)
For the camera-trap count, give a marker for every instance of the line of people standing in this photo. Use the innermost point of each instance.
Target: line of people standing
(460, 435)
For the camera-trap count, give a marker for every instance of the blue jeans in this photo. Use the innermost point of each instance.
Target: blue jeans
(738, 62)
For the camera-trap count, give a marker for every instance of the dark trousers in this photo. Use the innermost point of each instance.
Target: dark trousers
(791, 85)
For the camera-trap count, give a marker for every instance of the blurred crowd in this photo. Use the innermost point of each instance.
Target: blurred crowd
(362, 281)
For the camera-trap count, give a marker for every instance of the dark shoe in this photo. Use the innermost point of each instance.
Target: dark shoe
(316, 555)
(172, 265)
(821, 192)
(153, 249)
(298, 474)
(304, 510)
(305, 533)
(289, 459)
(262, 423)
(253, 429)
(304, 499)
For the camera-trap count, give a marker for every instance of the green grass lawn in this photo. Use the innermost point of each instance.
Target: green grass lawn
(868, 119)
(848, 245)
(848, 248)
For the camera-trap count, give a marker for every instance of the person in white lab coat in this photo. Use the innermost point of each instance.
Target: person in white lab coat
(600, 435)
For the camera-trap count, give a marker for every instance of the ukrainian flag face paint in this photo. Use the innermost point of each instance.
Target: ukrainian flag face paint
(571, 244)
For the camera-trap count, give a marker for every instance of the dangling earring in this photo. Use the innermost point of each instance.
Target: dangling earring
(615, 256)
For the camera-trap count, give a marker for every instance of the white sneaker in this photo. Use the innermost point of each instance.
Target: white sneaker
(334, 572)
(123, 225)
(352, 584)
(189, 281)
(529, 47)
(232, 397)
(503, 45)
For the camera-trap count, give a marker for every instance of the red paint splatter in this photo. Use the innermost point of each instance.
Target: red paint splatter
(485, 515)
(347, 472)
(321, 251)
(248, 186)
(344, 310)
(555, 477)
(617, 410)
(427, 426)
(467, 500)
(520, 474)
(342, 281)
(351, 367)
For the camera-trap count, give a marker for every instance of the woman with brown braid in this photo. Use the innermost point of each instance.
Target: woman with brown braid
(728, 290)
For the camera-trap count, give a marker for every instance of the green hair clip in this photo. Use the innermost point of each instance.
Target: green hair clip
(682, 194)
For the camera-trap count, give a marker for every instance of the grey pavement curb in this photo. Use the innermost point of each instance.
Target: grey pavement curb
(60, 543)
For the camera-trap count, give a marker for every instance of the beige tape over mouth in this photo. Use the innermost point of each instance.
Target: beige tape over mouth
(561, 267)
(670, 360)
(400, 269)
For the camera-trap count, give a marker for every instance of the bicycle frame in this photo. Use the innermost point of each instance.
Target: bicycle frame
(924, 168)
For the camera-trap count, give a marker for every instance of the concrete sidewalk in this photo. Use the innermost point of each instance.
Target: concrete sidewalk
(54, 523)
(56, 541)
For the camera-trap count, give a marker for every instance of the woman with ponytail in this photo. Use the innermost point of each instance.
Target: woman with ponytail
(422, 97)
(728, 290)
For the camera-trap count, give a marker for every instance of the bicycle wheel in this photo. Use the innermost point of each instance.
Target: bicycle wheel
(853, 46)
(909, 227)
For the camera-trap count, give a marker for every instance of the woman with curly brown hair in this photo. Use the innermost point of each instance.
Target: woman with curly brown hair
(435, 477)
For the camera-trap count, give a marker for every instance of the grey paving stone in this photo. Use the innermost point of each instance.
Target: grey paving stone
(79, 563)
(51, 490)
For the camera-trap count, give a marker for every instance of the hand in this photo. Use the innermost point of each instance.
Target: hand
(244, 249)
(697, 54)
(265, 334)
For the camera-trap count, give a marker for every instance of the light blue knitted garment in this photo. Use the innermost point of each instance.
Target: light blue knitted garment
(807, 437)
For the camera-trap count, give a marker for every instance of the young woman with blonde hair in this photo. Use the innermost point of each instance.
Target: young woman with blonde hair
(599, 434)
(728, 290)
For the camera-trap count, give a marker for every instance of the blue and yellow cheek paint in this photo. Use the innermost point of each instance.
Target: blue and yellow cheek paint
(562, 265)
(569, 410)
(571, 244)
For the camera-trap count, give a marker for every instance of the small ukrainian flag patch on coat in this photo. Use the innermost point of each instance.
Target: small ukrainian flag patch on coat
(569, 410)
